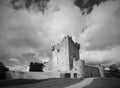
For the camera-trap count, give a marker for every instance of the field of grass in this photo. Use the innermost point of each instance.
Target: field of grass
(62, 83)
(104, 83)
(45, 83)
(98, 83)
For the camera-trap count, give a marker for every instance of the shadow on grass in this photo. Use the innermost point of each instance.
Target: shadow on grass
(59, 83)
(45, 83)
(104, 83)
(17, 82)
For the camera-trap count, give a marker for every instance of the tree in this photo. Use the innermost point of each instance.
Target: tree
(3, 70)
(36, 67)
(114, 70)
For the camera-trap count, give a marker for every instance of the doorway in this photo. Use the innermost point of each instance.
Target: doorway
(67, 75)
(75, 75)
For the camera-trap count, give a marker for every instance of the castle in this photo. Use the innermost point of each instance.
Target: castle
(65, 57)
(66, 60)
(66, 63)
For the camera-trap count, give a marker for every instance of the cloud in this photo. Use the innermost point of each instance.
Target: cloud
(102, 27)
(22, 31)
(24, 68)
(105, 57)
(14, 60)
(101, 37)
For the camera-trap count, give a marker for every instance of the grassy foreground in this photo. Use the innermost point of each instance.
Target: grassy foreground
(62, 83)
(104, 83)
(45, 83)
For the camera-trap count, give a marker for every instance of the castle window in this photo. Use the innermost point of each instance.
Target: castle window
(75, 59)
(53, 48)
(58, 50)
(74, 56)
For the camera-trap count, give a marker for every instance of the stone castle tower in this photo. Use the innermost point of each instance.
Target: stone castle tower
(65, 56)
(65, 63)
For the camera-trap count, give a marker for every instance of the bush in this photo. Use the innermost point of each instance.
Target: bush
(3, 70)
(36, 67)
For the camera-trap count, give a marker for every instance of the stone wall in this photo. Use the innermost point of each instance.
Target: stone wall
(31, 75)
(90, 71)
(65, 54)
(60, 56)
(73, 52)
(85, 71)
(65, 63)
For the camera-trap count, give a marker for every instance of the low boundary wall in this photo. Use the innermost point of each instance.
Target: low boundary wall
(31, 75)
(90, 71)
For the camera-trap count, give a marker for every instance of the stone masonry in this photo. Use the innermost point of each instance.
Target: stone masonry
(66, 63)
(66, 57)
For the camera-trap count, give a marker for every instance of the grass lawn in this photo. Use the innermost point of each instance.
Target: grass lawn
(104, 83)
(45, 83)
(62, 83)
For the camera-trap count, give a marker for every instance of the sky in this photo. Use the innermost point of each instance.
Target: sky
(27, 35)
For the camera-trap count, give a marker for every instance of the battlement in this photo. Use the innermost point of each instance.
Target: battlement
(67, 39)
(64, 53)
(70, 40)
(63, 42)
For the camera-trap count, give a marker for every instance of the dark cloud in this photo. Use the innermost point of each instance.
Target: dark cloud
(87, 4)
(27, 35)
(101, 38)
(19, 33)
(117, 12)
(108, 33)
(96, 44)
(35, 4)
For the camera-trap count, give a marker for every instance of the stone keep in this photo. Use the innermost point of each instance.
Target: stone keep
(65, 56)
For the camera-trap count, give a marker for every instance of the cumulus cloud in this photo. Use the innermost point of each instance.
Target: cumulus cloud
(24, 33)
(101, 37)
(24, 68)
(105, 57)
(14, 60)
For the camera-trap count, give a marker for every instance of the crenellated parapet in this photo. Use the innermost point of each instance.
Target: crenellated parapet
(64, 54)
